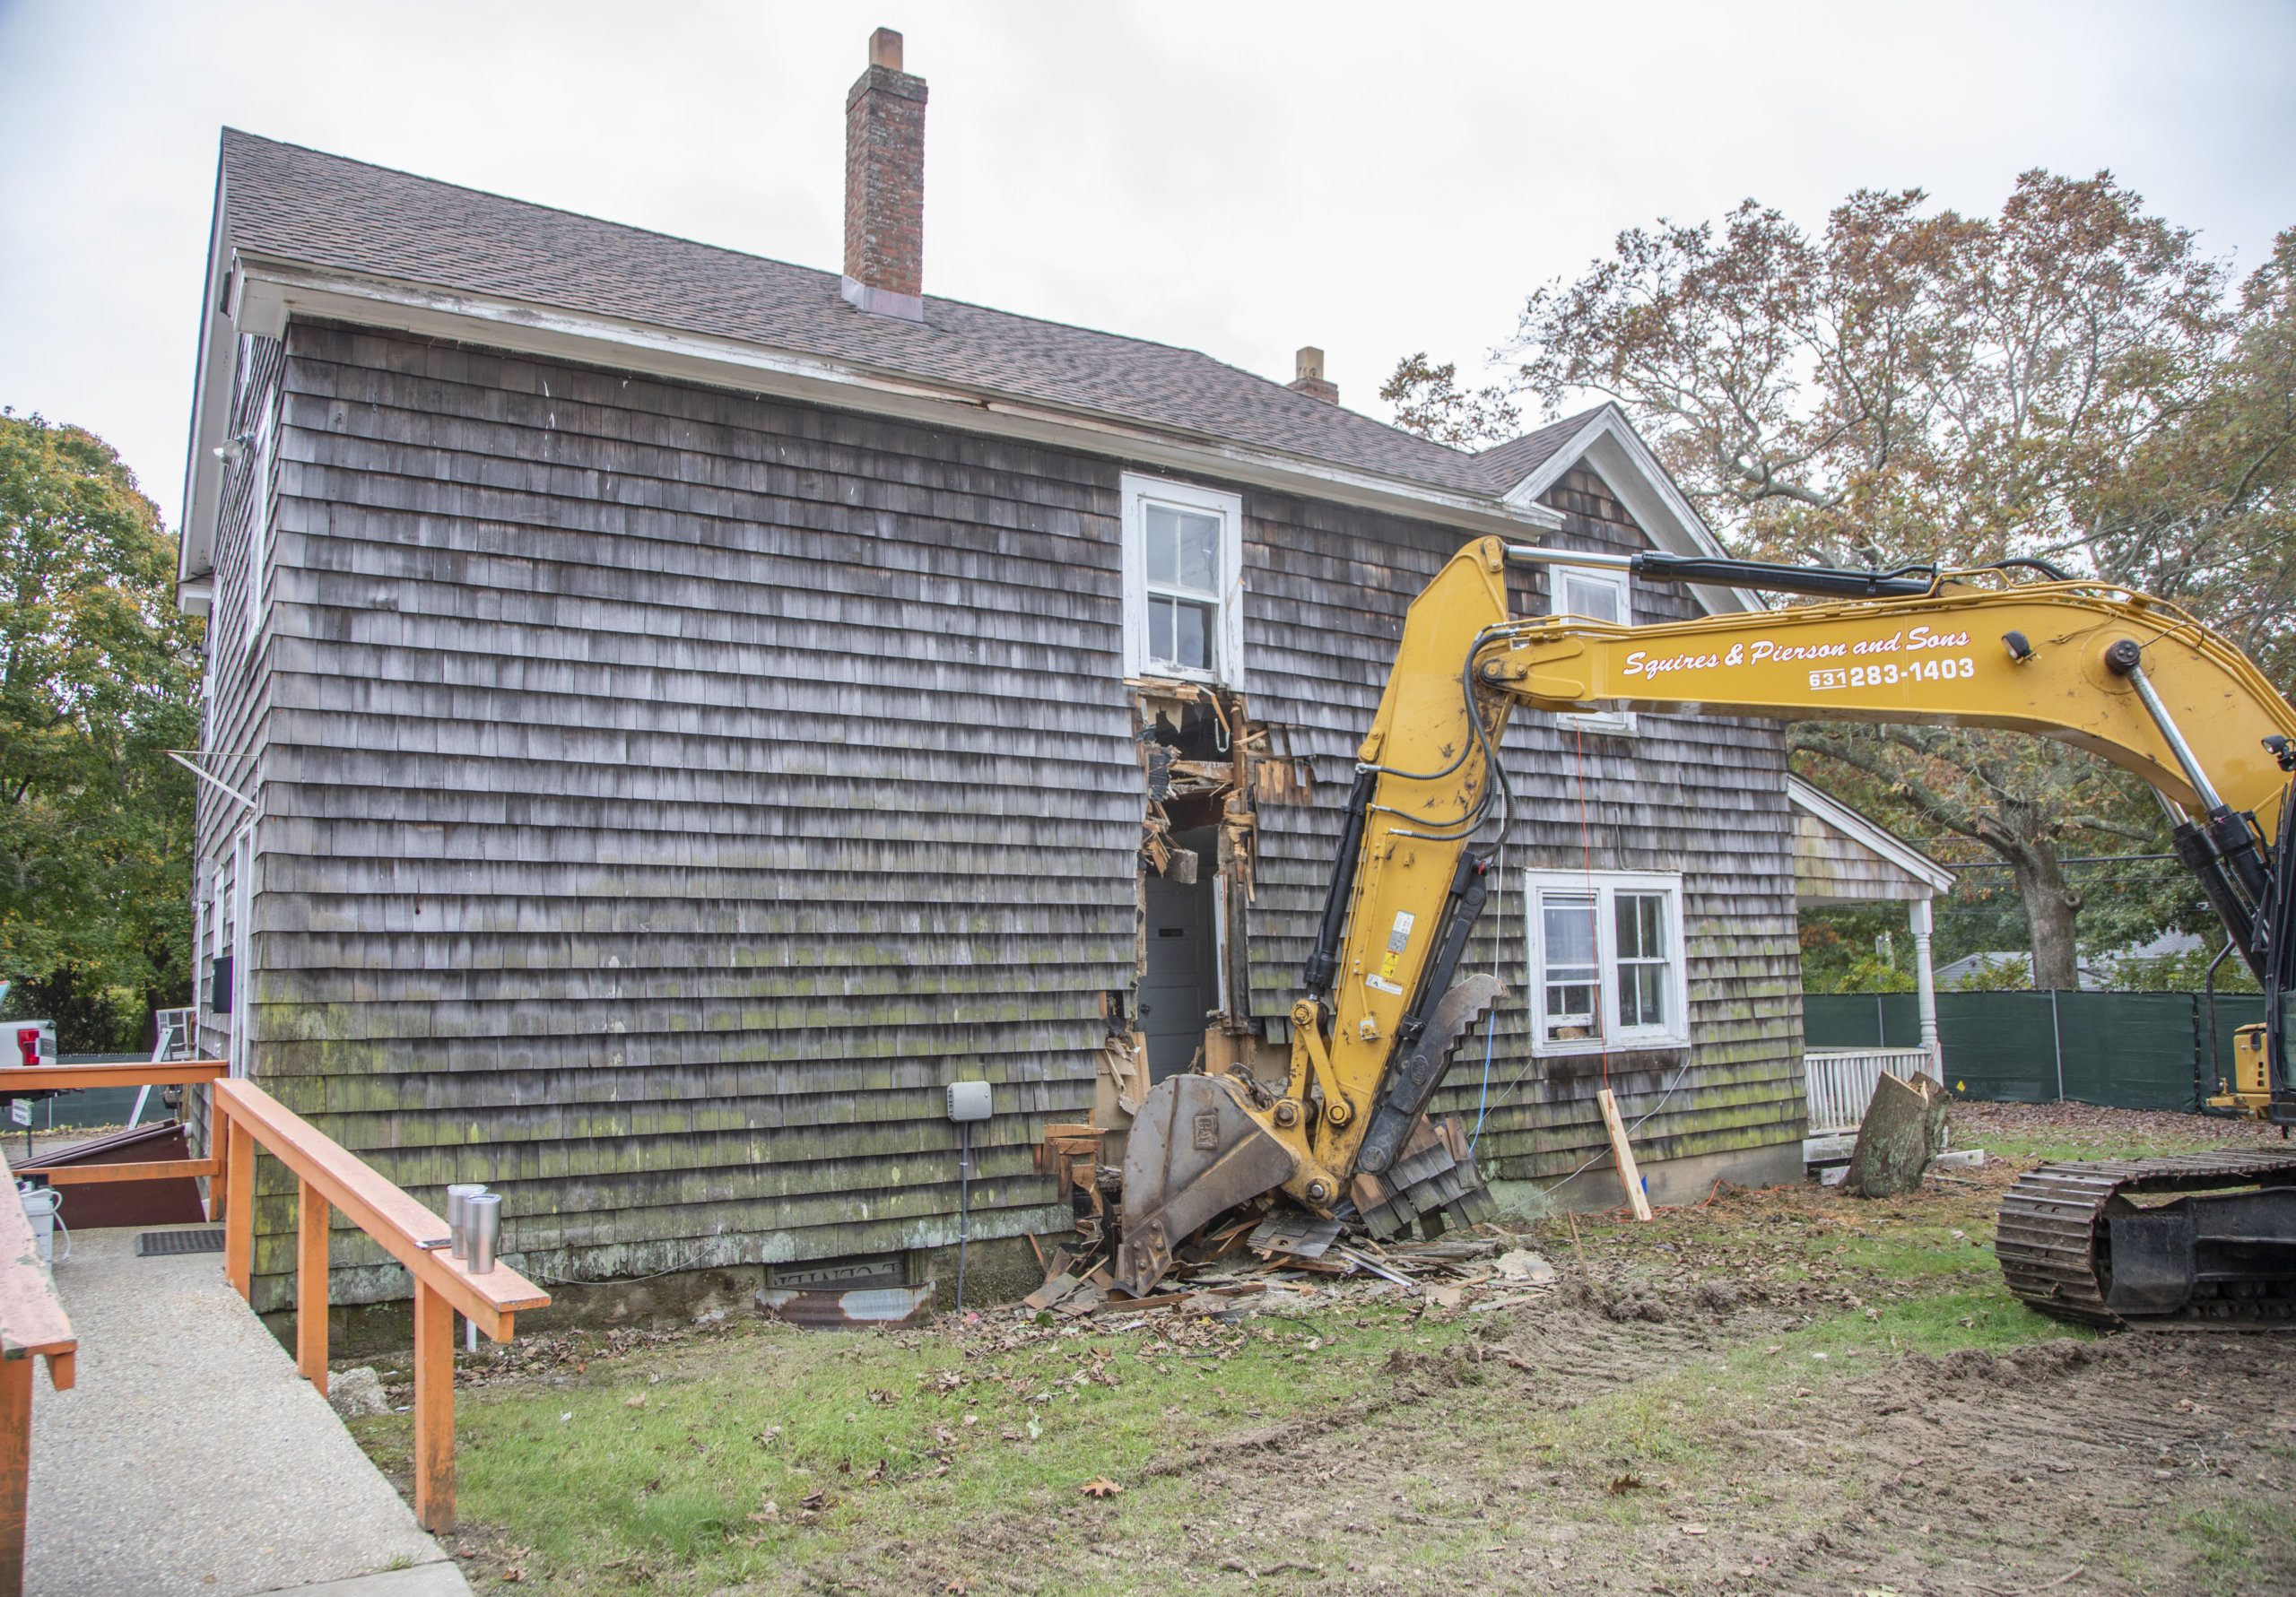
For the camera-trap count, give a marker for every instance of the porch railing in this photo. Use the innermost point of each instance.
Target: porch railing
(1840, 1082)
(330, 1176)
(242, 1118)
(32, 1325)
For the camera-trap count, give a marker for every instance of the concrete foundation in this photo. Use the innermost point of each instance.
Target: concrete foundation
(1000, 1270)
(1671, 1182)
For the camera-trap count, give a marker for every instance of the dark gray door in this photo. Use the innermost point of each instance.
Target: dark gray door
(1181, 983)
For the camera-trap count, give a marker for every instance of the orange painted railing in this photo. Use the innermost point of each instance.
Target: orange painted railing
(241, 1118)
(245, 1117)
(31, 1325)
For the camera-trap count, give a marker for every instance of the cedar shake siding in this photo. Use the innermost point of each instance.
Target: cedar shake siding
(665, 790)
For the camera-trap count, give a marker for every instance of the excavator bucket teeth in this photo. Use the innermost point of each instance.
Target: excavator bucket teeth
(1193, 1153)
(1413, 1077)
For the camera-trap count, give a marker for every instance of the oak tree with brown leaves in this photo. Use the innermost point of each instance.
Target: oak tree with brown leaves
(2070, 380)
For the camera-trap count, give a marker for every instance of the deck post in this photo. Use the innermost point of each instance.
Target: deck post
(311, 1287)
(219, 1148)
(16, 1458)
(434, 1411)
(239, 1217)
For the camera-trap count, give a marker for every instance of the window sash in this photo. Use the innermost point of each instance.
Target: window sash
(1183, 599)
(1600, 596)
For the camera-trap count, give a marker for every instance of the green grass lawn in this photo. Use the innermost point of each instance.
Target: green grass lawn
(753, 1453)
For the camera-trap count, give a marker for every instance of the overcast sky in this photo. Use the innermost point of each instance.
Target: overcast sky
(1241, 179)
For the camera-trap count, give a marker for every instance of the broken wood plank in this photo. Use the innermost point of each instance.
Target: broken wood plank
(1627, 1174)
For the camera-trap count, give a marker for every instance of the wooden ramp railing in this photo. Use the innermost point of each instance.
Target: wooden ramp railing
(242, 1118)
(32, 1325)
(247, 1118)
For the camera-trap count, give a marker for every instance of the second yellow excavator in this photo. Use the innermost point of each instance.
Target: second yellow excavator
(2018, 646)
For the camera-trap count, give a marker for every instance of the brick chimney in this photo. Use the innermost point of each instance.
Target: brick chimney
(884, 186)
(1311, 380)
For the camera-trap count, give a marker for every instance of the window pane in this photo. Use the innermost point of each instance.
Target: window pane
(1163, 544)
(1570, 930)
(1591, 597)
(1639, 920)
(1570, 1004)
(1199, 552)
(1193, 648)
(1159, 629)
(1642, 995)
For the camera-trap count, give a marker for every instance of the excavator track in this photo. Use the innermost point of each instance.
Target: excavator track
(2055, 1252)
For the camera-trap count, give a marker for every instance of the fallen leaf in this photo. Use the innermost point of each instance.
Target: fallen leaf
(636, 1402)
(1624, 1484)
(1035, 1430)
(972, 1419)
(955, 1587)
(876, 1472)
(881, 1396)
(770, 1514)
(1100, 1486)
(814, 1499)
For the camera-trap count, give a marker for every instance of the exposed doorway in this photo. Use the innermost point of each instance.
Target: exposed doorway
(1180, 986)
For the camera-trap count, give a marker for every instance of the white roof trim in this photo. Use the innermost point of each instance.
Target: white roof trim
(276, 291)
(1848, 821)
(1609, 443)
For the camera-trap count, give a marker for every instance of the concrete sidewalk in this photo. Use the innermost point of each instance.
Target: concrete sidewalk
(191, 1459)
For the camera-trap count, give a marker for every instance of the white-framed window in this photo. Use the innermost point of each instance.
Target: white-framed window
(1606, 962)
(1183, 582)
(1600, 596)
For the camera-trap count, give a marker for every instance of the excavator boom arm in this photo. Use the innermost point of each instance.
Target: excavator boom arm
(1384, 1000)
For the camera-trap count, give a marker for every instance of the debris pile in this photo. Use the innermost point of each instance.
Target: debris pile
(1289, 1258)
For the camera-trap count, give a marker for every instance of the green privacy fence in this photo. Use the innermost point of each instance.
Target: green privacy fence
(2127, 1050)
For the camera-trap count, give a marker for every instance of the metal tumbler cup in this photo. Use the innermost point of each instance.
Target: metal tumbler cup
(482, 1229)
(456, 1196)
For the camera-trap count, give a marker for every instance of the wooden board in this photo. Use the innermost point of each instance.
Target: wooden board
(1624, 1153)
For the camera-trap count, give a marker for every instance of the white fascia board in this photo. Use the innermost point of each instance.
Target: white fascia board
(1848, 821)
(1609, 443)
(284, 289)
(211, 408)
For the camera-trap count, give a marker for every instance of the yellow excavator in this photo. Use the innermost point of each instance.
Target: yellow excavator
(2018, 645)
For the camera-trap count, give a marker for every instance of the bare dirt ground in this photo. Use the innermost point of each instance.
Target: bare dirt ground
(1788, 1391)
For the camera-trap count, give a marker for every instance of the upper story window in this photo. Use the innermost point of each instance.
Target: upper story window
(1607, 971)
(1183, 581)
(1599, 596)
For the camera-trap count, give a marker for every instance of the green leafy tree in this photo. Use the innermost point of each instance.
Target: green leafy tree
(101, 677)
(2069, 380)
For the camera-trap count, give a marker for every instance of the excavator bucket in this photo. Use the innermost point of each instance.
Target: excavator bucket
(1193, 1153)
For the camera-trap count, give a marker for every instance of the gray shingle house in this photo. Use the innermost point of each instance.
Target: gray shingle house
(670, 711)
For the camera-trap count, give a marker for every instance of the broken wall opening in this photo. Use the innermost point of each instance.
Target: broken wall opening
(1207, 769)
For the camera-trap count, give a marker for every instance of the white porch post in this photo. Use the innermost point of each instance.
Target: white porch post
(1926, 977)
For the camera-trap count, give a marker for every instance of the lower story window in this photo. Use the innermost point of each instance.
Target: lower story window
(1606, 962)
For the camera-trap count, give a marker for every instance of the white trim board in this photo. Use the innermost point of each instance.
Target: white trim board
(272, 292)
(1610, 444)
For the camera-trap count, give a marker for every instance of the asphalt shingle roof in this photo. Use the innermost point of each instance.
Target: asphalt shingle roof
(304, 205)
